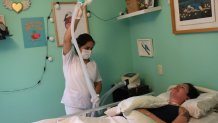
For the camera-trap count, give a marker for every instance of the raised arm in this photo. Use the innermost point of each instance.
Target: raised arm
(67, 36)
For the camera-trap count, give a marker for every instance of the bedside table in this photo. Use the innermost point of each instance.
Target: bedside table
(124, 93)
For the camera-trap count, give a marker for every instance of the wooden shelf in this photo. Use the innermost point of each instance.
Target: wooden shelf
(139, 12)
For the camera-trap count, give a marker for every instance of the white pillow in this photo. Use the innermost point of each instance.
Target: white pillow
(137, 117)
(199, 106)
(132, 103)
(202, 105)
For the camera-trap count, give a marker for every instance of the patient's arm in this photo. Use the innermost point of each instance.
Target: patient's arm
(183, 116)
(151, 115)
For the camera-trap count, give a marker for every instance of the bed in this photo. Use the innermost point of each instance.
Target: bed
(203, 109)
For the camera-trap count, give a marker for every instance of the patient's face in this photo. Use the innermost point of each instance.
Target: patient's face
(180, 92)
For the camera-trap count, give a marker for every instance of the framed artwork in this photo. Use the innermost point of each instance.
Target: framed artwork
(190, 16)
(33, 32)
(2, 19)
(62, 15)
(145, 47)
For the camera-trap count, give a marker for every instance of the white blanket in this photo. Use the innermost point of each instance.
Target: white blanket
(126, 107)
(132, 117)
(83, 119)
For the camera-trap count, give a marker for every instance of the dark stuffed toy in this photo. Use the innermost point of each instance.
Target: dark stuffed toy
(3, 31)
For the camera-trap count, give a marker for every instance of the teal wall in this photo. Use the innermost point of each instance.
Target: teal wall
(185, 58)
(22, 67)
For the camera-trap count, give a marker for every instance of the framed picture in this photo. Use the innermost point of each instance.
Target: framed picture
(145, 47)
(2, 19)
(62, 15)
(190, 16)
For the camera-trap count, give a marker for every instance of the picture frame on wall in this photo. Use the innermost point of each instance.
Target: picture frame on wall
(145, 47)
(194, 16)
(62, 15)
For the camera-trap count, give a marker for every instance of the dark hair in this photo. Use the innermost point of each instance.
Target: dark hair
(192, 91)
(83, 39)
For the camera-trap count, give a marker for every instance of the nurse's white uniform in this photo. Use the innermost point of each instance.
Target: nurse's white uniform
(76, 95)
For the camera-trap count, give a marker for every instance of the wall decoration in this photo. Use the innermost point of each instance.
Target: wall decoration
(145, 47)
(17, 6)
(33, 32)
(62, 15)
(194, 16)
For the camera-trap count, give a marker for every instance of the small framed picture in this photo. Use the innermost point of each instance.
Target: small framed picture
(145, 47)
(62, 19)
(2, 19)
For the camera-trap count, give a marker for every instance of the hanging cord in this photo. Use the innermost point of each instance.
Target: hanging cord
(100, 18)
(43, 72)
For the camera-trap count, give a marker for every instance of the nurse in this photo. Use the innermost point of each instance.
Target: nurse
(76, 95)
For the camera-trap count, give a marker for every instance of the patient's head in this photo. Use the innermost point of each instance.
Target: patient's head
(192, 91)
(183, 92)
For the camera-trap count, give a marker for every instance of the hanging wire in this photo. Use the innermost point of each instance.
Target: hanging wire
(43, 72)
(100, 18)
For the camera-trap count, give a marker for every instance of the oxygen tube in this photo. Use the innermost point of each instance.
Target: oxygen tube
(94, 97)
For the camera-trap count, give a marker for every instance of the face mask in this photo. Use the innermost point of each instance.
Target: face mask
(86, 53)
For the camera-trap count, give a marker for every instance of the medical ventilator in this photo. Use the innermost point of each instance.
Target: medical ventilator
(133, 79)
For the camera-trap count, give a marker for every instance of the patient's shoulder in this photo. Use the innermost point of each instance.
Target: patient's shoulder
(183, 112)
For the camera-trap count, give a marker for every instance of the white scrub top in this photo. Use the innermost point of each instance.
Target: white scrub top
(76, 93)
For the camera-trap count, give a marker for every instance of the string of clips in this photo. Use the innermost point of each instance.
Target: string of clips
(43, 72)
(100, 18)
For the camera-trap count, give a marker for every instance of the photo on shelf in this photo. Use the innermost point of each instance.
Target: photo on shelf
(149, 3)
(145, 47)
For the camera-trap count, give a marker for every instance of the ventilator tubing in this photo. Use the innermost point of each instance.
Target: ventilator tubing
(94, 97)
(84, 2)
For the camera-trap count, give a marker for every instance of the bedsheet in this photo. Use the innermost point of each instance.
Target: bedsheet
(83, 119)
(128, 117)
(212, 117)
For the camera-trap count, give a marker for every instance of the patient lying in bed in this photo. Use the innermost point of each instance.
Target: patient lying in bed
(146, 109)
(172, 112)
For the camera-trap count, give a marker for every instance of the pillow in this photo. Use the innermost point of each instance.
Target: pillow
(137, 117)
(199, 106)
(131, 103)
